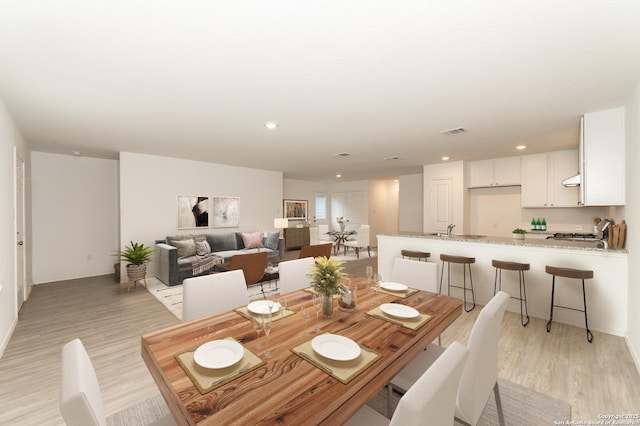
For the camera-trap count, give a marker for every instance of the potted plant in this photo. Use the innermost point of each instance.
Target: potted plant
(327, 279)
(518, 233)
(136, 255)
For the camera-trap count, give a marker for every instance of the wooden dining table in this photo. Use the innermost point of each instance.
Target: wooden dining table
(286, 388)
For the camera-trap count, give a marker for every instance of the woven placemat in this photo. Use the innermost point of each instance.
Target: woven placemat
(207, 379)
(401, 294)
(412, 323)
(344, 371)
(282, 313)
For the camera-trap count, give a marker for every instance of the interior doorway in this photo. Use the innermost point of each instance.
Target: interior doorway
(21, 290)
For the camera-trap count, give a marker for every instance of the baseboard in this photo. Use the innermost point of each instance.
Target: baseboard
(5, 340)
(634, 355)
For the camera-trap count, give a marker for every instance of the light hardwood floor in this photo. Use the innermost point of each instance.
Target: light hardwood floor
(597, 378)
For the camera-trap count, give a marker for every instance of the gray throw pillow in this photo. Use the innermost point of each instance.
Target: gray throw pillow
(271, 242)
(185, 247)
(202, 248)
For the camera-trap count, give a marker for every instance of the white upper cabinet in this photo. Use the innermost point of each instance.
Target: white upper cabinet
(542, 176)
(603, 158)
(497, 172)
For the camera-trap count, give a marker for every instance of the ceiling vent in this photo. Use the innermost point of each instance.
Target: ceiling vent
(342, 154)
(392, 158)
(455, 131)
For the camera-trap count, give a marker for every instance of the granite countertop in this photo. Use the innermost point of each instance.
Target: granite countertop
(527, 242)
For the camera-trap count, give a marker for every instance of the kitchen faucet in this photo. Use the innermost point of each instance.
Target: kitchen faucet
(450, 228)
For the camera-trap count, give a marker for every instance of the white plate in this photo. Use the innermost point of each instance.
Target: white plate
(336, 347)
(218, 354)
(393, 286)
(398, 310)
(260, 306)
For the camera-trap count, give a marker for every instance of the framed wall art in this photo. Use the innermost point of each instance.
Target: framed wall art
(295, 209)
(225, 212)
(193, 212)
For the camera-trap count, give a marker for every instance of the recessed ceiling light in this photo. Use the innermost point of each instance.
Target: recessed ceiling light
(338, 175)
(342, 154)
(271, 125)
(445, 158)
(76, 153)
(521, 147)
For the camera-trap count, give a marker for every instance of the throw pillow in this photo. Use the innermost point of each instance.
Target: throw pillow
(185, 247)
(271, 242)
(252, 240)
(202, 248)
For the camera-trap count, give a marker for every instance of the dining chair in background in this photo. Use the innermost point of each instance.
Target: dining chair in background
(293, 274)
(80, 397)
(362, 241)
(316, 237)
(318, 250)
(430, 400)
(252, 265)
(209, 294)
(480, 375)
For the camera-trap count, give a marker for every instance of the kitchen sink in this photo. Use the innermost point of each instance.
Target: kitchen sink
(461, 236)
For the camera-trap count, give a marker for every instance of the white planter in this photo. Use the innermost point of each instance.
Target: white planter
(518, 236)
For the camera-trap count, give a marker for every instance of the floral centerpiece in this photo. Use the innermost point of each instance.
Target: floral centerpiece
(342, 222)
(327, 279)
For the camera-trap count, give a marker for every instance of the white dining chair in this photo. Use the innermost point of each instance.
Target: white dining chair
(293, 274)
(362, 241)
(209, 294)
(415, 274)
(324, 238)
(432, 398)
(480, 375)
(80, 397)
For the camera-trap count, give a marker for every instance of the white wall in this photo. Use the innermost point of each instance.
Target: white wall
(10, 140)
(410, 202)
(496, 212)
(631, 212)
(75, 216)
(150, 185)
(383, 208)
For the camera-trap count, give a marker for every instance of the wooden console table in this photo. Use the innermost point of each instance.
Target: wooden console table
(295, 238)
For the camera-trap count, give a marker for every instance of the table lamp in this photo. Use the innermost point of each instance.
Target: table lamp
(281, 223)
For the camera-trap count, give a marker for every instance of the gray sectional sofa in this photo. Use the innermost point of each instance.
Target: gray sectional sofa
(178, 256)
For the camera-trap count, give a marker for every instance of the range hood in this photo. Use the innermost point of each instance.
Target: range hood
(572, 181)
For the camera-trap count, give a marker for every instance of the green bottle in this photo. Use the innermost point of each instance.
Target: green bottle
(544, 224)
(538, 225)
(533, 224)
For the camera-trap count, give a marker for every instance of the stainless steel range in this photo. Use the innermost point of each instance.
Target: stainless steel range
(577, 240)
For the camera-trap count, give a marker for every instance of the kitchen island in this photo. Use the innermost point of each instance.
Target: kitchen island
(606, 292)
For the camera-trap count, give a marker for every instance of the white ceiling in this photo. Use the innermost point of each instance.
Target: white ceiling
(197, 79)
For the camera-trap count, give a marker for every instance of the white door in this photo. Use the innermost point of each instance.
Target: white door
(19, 211)
(440, 204)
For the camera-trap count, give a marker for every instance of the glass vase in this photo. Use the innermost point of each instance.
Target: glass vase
(327, 305)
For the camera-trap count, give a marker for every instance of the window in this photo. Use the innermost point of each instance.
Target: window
(321, 206)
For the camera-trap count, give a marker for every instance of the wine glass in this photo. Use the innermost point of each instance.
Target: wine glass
(267, 325)
(378, 281)
(306, 314)
(257, 327)
(317, 305)
(369, 272)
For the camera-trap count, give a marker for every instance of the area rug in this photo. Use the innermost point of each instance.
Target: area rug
(146, 412)
(171, 296)
(521, 406)
(351, 255)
